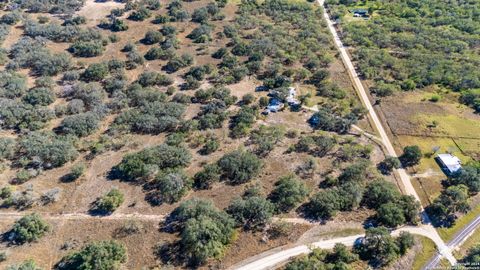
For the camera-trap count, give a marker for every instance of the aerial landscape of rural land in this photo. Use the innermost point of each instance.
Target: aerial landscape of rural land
(239, 134)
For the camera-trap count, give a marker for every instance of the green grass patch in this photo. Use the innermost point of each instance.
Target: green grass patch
(444, 264)
(427, 144)
(470, 147)
(472, 241)
(429, 185)
(343, 233)
(427, 252)
(427, 188)
(448, 233)
(314, 98)
(449, 125)
(365, 4)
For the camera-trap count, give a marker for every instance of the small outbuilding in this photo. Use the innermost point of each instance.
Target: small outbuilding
(449, 163)
(360, 12)
(275, 105)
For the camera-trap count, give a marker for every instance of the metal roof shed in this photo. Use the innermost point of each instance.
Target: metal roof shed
(449, 162)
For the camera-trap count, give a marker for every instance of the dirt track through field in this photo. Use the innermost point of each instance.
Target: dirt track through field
(76, 216)
(119, 216)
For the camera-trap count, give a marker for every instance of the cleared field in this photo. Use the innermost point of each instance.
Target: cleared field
(470, 147)
(447, 125)
(69, 235)
(412, 113)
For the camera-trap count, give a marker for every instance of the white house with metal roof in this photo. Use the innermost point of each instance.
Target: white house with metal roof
(449, 163)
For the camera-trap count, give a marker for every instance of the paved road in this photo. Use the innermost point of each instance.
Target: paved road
(405, 179)
(456, 242)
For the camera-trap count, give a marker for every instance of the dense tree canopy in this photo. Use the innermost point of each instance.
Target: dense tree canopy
(411, 155)
(102, 255)
(380, 248)
(388, 164)
(289, 192)
(29, 228)
(204, 238)
(380, 192)
(81, 125)
(141, 164)
(473, 256)
(252, 212)
(172, 185)
(51, 6)
(205, 178)
(48, 149)
(152, 117)
(339, 258)
(469, 176)
(452, 201)
(205, 231)
(12, 84)
(414, 44)
(239, 166)
(110, 201)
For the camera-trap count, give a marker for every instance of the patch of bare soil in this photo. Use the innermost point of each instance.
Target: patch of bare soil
(70, 235)
(358, 216)
(15, 33)
(326, 231)
(257, 244)
(294, 120)
(95, 10)
(246, 86)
